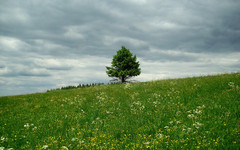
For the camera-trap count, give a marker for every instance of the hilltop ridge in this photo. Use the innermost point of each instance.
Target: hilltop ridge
(188, 113)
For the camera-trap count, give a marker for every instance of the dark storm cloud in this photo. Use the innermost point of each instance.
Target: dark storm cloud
(23, 70)
(84, 26)
(169, 55)
(59, 40)
(26, 74)
(2, 66)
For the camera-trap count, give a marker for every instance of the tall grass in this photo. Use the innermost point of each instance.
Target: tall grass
(190, 113)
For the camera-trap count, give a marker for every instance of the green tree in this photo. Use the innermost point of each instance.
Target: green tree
(124, 65)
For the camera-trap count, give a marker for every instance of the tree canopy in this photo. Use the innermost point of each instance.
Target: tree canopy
(124, 65)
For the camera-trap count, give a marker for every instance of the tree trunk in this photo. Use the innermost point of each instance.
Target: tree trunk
(123, 79)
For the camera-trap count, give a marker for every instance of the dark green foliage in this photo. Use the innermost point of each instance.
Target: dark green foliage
(74, 87)
(124, 65)
(68, 87)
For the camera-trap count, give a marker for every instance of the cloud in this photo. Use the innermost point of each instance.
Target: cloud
(15, 70)
(52, 43)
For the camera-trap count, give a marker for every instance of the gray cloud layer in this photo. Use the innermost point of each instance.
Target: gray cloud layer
(45, 44)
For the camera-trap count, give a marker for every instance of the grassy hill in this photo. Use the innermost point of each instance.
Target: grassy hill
(190, 113)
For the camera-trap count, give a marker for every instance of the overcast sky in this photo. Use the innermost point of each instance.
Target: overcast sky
(45, 44)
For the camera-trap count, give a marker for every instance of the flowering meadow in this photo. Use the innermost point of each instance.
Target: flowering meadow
(191, 113)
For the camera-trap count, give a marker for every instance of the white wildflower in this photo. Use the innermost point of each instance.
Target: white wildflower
(231, 84)
(197, 111)
(191, 116)
(108, 112)
(64, 148)
(3, 138)
(136, 103)
(127, 86)
(178, 122)
(166, 127)
(156, 103)
(171, 122)
(141, 108)
(159, 135)
(81, 142)
(27, 125)
(34, 128)
(2, 148)
(45, 147)
(74, 139)
(197, 125)
(146, 143)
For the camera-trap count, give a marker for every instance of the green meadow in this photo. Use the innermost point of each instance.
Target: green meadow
(190, 113)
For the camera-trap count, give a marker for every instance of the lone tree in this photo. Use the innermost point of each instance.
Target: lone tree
(124, 65)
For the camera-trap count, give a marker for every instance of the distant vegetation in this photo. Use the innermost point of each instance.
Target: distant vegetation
(78, 86)
(82, 86)
(190, 113)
